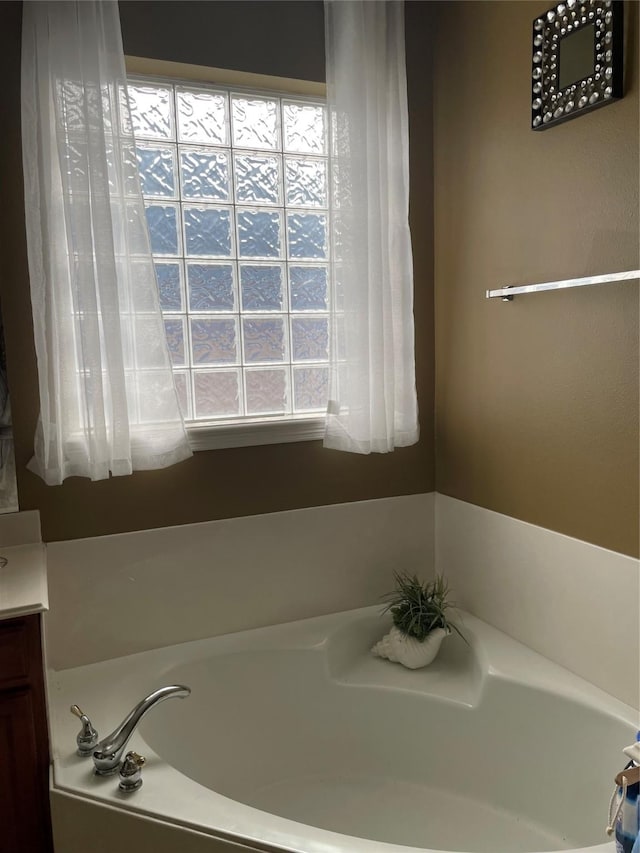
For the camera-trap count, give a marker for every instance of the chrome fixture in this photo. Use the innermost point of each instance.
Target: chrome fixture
(131, 772)
(507, 293)
(108, 753)
(87, 736)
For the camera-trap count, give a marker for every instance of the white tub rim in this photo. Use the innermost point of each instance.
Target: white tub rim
(171, 797)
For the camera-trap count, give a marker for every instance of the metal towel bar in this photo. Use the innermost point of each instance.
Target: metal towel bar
(507, 293)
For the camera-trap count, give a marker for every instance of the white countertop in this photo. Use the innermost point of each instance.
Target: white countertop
(23, 581)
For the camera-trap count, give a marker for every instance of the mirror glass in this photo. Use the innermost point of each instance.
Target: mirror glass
(577, 51)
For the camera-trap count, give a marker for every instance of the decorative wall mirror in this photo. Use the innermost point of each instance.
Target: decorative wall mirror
(577, 60)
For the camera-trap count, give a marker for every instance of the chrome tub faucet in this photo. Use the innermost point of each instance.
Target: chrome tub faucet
(108, 753)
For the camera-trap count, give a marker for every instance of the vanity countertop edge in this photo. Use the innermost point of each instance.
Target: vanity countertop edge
(23, 581)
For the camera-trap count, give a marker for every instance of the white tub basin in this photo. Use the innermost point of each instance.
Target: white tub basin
(296, 737)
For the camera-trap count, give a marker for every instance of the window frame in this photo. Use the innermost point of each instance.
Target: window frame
(245, 431)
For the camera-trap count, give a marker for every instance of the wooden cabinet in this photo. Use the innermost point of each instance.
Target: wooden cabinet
(25, 823)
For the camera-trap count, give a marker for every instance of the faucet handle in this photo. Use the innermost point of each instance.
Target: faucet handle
(87, 736)
(131, 772)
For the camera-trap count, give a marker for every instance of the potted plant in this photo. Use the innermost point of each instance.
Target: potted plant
(420, 621)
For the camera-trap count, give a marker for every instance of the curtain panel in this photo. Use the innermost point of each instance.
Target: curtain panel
(372, 397)
(108, 405)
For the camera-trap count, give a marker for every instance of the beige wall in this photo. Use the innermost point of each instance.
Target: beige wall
(536, 400)
(280, 37)
(243, 481)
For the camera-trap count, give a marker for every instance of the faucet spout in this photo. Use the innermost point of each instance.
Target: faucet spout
(108, 753)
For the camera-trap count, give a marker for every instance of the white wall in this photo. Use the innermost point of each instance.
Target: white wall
(116, 595)
(571, 601)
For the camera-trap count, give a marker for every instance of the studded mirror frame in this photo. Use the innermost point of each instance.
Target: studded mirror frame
(551, 104)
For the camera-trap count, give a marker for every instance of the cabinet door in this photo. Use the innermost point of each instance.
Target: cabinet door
(23, 821)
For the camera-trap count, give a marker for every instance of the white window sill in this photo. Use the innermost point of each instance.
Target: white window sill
(208, 436)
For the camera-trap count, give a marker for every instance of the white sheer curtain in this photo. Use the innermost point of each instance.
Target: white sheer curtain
(373, 406)
(108, 404)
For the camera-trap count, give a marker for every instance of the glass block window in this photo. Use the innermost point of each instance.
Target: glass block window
(235, 185)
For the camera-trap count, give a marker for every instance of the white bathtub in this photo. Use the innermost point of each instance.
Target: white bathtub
(295, 738)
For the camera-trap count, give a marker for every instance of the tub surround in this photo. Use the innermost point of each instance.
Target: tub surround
(174, 585)
(223, 803)
(573, 602)
(121, 594)
(570, 600)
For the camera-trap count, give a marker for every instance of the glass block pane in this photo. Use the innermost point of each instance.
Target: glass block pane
(307, 234)
(155, 396)
(304, 128)
(205, 174)
(310, 388)
(135, 239)
(338, 337)
(157, 170)
(213, 340)
(306, 182)
(255, 122)
(341, 185)
(72, 97)
(263, 340)
(147, 335)
(261, 287)
(125, 173)
(79, 233)
(110, 103)
(143, 289)
(74, 164)
(181, 381)
(259, 233)
(202, 116)
(210, 287)
(174, 331)
(124, 110)
(128, 349)
(162, 221)
(207, 231)
(168, 277)
(216, 394)
(93, 388)
(308, 288)
(266, 391)
(342, 236)
(151, 111)
(310, 338)
(257, 179)
(338, 287)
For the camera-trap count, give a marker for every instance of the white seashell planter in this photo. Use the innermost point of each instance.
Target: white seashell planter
(408, 651)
